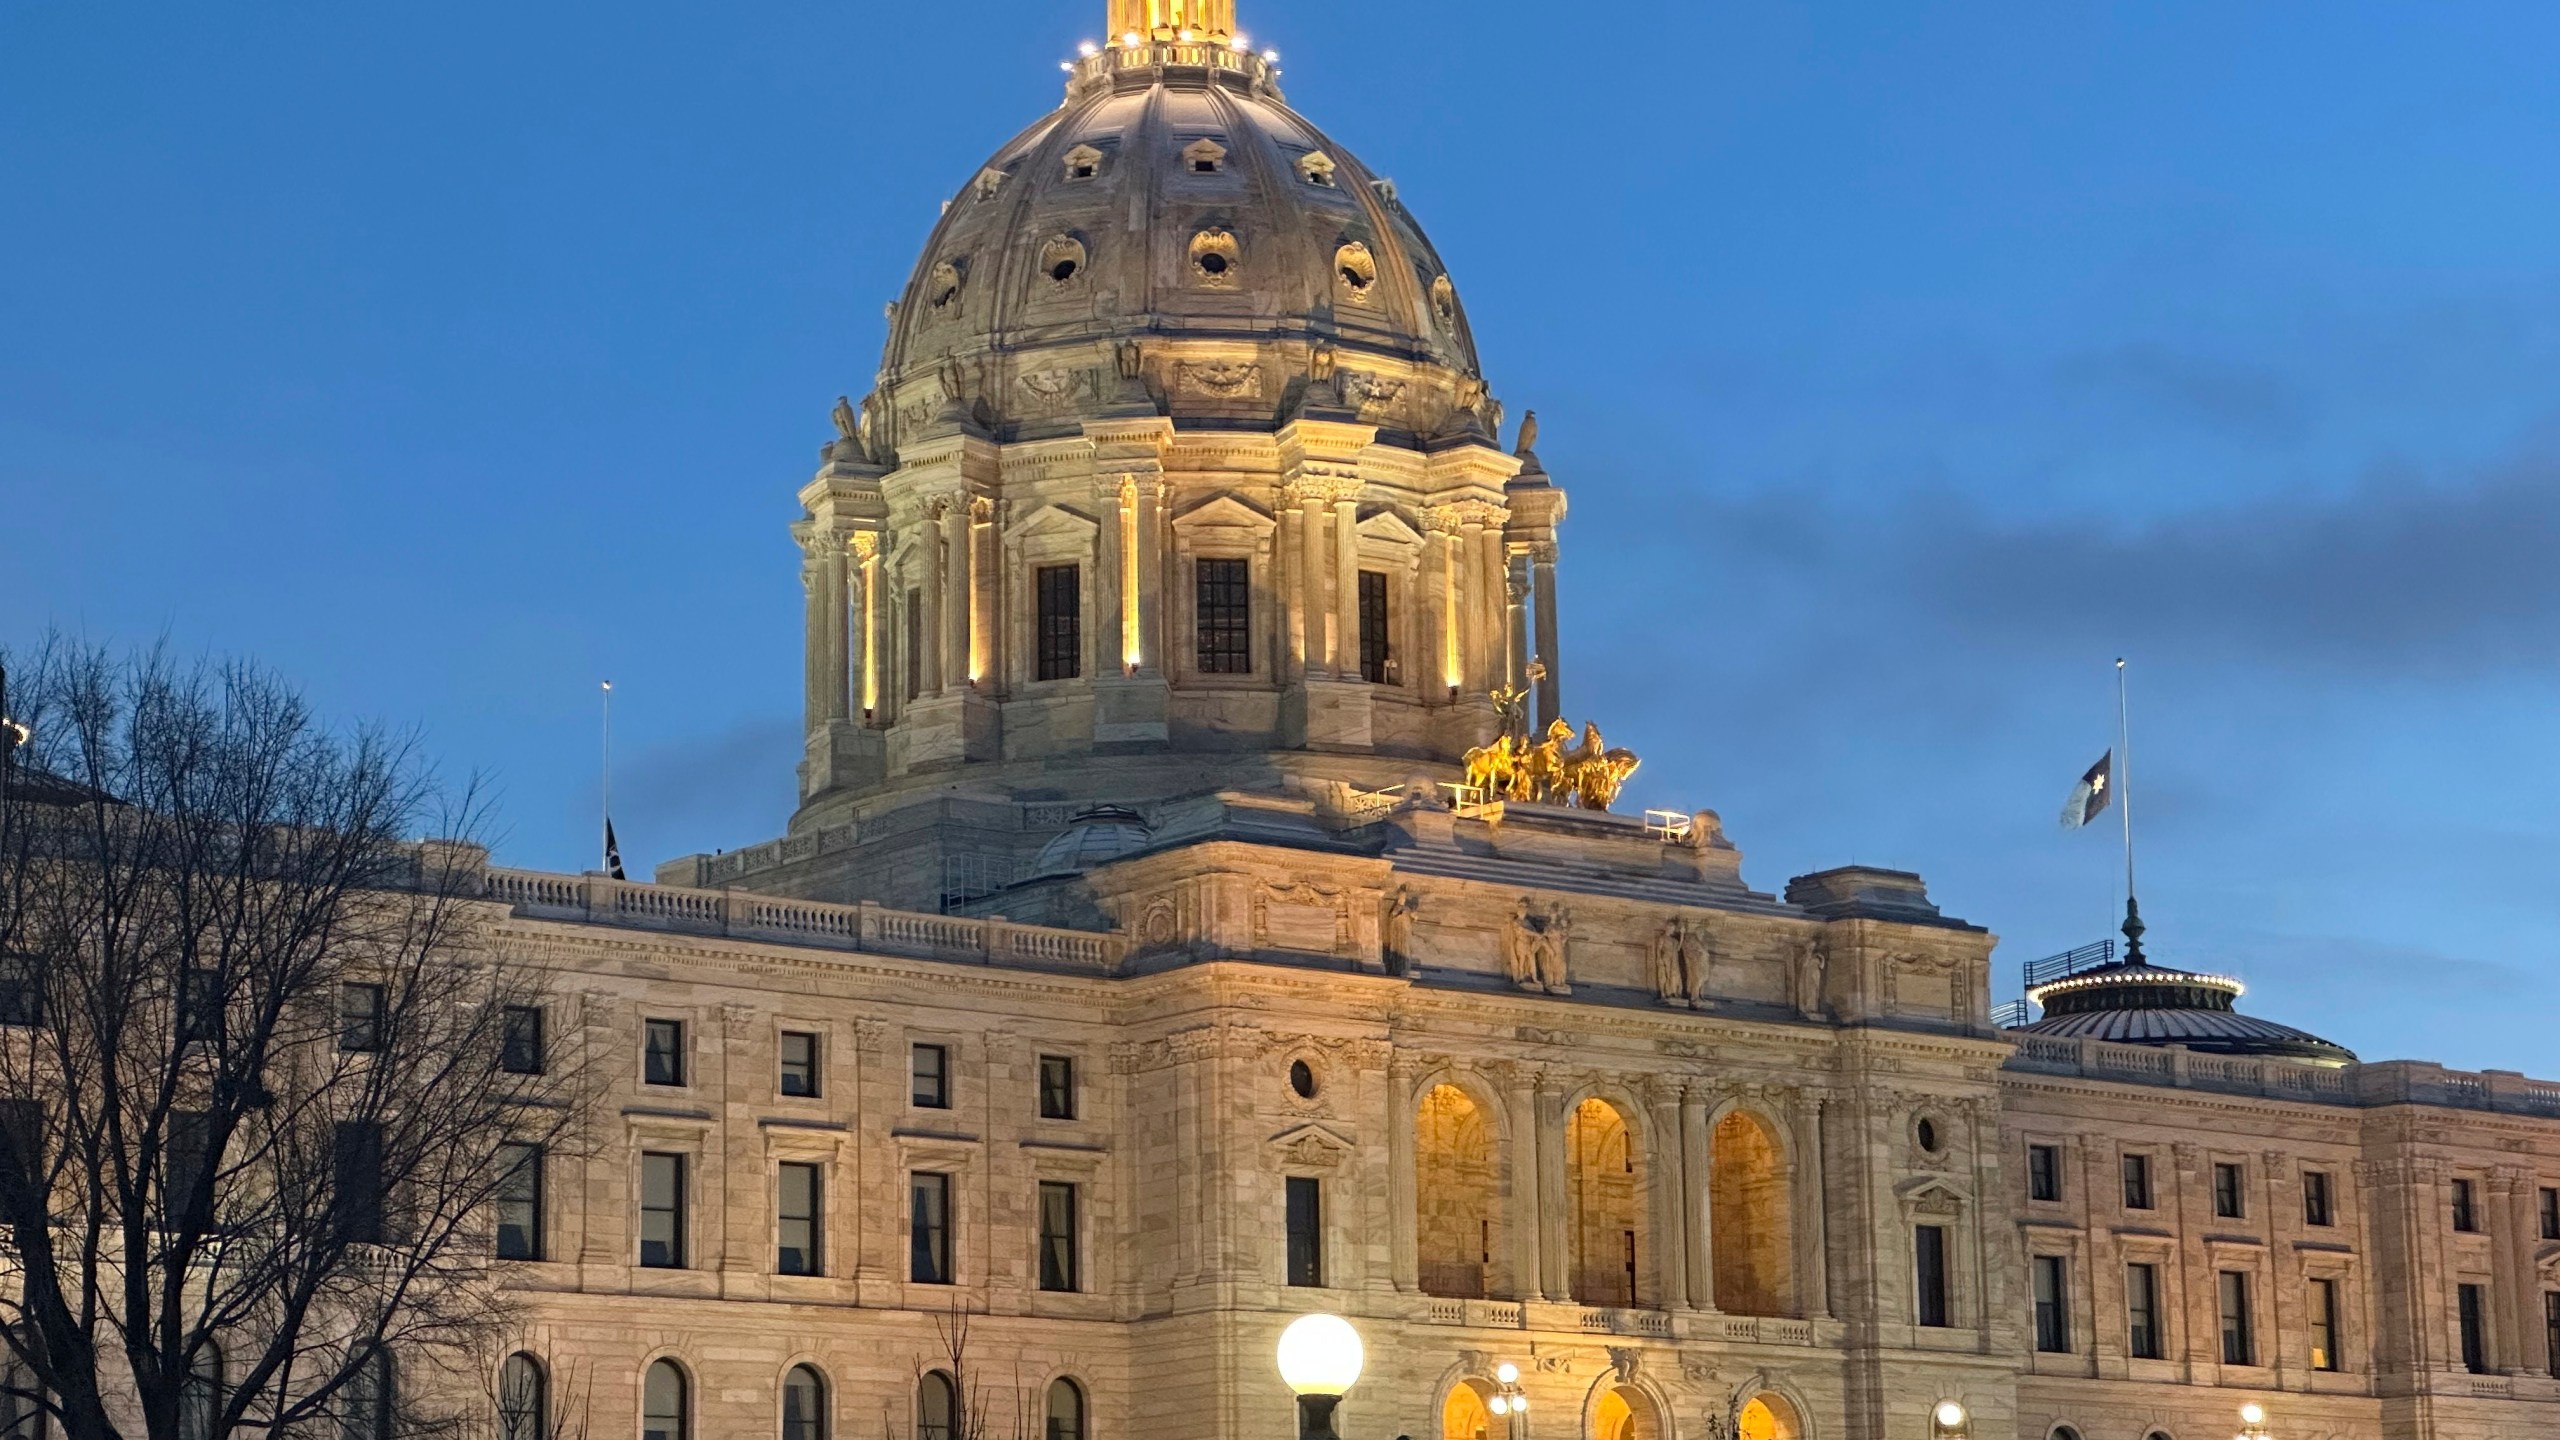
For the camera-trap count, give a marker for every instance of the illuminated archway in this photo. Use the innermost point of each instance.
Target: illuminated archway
(1751, 1219)
(1603, 1194)
(1767, 1417)
(1464, 1416)
(1457, 1197)
(1626, 1413)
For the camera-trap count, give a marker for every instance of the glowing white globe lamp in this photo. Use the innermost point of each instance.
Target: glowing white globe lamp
(2253, 1413)
(1506, 1373)
(1320, 1358)
(1948, 1419)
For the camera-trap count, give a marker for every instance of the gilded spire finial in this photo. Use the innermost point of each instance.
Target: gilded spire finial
(1173, 19)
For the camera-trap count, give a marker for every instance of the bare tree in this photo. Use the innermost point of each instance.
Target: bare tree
(974, 1411)
(257, 1096)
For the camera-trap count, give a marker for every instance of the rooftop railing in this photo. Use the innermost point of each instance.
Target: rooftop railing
(2388, 1082)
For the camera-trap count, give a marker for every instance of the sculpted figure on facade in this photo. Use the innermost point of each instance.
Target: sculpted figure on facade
(1395, 930)
(1536, 944)
(1809, 966)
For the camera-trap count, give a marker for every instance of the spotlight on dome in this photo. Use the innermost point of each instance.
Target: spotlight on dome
(1087, 47)
(1239, 44)
(1271, 56)
(1184, 36)
(1067, 65)
(1129, 41)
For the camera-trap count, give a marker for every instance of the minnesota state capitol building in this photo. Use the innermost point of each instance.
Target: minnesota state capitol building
(1195, 916)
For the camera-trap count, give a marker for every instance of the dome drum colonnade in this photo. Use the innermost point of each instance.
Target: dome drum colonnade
(1179, 445)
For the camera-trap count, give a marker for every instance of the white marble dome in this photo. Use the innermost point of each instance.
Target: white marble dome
(1174, 199)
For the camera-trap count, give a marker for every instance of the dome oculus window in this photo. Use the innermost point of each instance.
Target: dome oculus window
(1083, 163)
(1924, 1132)
(1204, 156)
(1213, 257)
(1302, 1080)
(944, 287)
(1062, 259)
(1316, 168)
(1356, 270)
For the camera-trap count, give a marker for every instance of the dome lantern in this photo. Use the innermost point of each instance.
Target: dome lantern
(1172, 19)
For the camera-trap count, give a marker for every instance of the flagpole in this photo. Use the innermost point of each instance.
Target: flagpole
(604, 847)
(2124, 805)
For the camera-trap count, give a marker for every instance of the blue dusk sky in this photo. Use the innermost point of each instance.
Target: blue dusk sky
(1906, 364)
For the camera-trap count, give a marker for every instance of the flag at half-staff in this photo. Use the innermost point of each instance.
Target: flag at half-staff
(2090, 797)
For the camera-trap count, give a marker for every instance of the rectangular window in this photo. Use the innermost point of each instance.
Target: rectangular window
(929, 1228)
(1223, 616)
(1060, 598)
(359, 1019)
(519, 1202)
(2142, 1310)
(662, 1211)
(22, 1141)
(2551, 1214)
(355, 1190)
(799, 1064)
(2324, 1324)
(2226, 1190)
(662, 1053)
(1929, 1253)
(2044, 1172)
(915, 644)
(1058, 1258)
(1057, 1087)
(929, 1076)
(2466, 1214)
(798, 1210)
(21, 990)
(1306, 1230)
(2236, 1346)
(2475, 1334)
(1374, 651)
(199, 1008)
(2315, 1198)
(520, 1045)
(2551, 1329)
(2137, 1182)
(2053, 1304)
(190, 1151)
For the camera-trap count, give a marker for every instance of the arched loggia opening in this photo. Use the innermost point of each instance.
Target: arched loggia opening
(1457, 1196)
(1767, 1417)
(1626, 1413)
(1465, 1415)
(1751, 1220)
(1603, 1198)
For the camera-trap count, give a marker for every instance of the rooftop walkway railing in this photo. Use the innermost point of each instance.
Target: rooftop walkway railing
(874, 929)
(2388, 1082)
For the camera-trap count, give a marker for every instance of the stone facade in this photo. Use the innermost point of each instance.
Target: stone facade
(1143, 977)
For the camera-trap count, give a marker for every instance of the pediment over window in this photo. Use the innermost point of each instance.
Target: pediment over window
(1224, 511)
(1312, 1147)
(1931, 1197)
(1387, 527)
(1052, 521)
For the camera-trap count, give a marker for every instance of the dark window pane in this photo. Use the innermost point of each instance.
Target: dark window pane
(356, 1180)
(2142, 1310)
(2236, 1346)
(937, 1407)
(799, 1063)
(662, 1211)
(930, 1068)
(190, 1151)
(2475, 1335)
(1374, 651)
(360, 1018)
(1223, 617)
(1060, 597)
(2324, 1324)
(1306, 1230)
(2315, 1197)
(2044, 1172)
(521, 1046)
(520, 1202)
(523, 1407)
(2551, 1224)
(200, 1014)
(663, 1404)
(2226, 1190)
(799, 1221)
(1057, 1087)
(21, 990)
(1066, 1411)
(929, 1229)
(662, 1053)
(1058, 1257)
(2137, 1182)
(1929, 1247)
(2466, 1216)
(804, 1405)
(2053, 1305)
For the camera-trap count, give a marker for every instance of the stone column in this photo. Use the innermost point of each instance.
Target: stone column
(1813, 1270)
(928, 629)
(2516, 1343)
(1152, 580)
(1667, 1186)
(1555, 1209)
(1542, 585)
(1515, 615)
(862, 624)
(956, 600)
(1433, 670)
(1492, 600)
(1112, 504)
(1472, 589)
(1697, 1224)
(1521, 1200)
(1403, 1178)
(1288, 557)
(986, 602)
(819, 630)
(1308, 598)
(1346, 582)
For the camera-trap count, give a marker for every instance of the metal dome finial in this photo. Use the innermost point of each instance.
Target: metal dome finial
(1172, 19)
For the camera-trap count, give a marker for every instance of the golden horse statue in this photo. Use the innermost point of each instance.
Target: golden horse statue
(1597, 773)
(1547, 772)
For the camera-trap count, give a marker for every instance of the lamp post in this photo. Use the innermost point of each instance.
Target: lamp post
(2253, 1422)
(1320, 1357)
(1508, 1401)
(1948, 1421)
